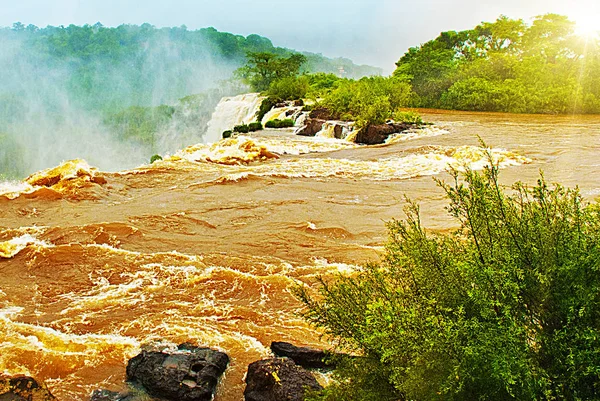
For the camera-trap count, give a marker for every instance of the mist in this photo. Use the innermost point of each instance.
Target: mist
(53, 105)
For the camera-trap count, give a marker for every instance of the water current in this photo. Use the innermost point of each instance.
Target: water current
(206, 245)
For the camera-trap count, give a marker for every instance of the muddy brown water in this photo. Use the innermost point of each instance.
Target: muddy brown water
(207, 253)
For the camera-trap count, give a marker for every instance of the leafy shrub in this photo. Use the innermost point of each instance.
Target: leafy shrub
(227, 134)
(505, 308)
(368, 100)
(155, 158)
(286, 123)
(255, 126)
(289, 88)
(243, 129)
(320, 84)
(266, 106)
(409, 117)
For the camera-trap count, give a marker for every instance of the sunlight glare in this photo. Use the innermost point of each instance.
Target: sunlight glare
(587, 23)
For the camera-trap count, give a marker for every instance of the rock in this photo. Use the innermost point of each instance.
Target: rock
(376, 134)
(311, 127)
(322, 113)
(23, 388)
(303, 356)
(278, 379)
(188, 374)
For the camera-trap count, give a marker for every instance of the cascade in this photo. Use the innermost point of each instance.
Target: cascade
(232, 111)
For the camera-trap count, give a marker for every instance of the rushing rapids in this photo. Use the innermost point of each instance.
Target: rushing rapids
(206, 245)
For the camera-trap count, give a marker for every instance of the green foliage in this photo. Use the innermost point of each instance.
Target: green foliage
(266, 106)
(320, 84)
(227, 134)
(113, 68)
(263, 68)
(505, 308)
(409, 117)
(242, 129)
(140, 124)
(285, 123)
(255, 126)
(289, 88)
(368, 100)
(507, 65)
(155, 158)
(12, 162)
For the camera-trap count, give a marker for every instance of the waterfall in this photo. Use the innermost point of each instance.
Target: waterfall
(232, 111)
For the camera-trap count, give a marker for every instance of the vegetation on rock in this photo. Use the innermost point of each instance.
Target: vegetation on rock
(285, 123)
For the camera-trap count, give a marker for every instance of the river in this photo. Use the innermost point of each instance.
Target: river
(207, 251)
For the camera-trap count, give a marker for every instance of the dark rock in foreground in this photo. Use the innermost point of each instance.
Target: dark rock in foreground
(278, 379)
(303, 356)
(23, 388)
(189, 374)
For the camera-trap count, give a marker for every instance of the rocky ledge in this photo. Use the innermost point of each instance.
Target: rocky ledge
(278, 379)
(191, 373)
(23, 388)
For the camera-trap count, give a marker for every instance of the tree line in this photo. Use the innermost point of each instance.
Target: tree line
(509, 66)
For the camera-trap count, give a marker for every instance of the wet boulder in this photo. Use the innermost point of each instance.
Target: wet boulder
(311, 127)
(23, 388)
(306, 357)
(376, 134)
(322, 113)
(188, 374)
(278, 379)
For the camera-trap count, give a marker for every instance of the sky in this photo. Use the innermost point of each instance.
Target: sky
(374, 32)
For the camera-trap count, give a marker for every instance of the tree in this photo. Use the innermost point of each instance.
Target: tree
(262, 68)
(505, 308)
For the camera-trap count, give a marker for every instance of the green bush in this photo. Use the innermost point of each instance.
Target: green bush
(507, 307)
(368, 100)
(409, 117)
(286, 123)
(155, 158)
(255, 126)
(243, 129)
(227, 134)
(289, 88)
(320, 84)
(266, 106)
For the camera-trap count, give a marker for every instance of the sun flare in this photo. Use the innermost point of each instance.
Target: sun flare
(587, 22)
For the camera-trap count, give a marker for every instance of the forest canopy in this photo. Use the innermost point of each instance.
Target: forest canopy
(507, 65)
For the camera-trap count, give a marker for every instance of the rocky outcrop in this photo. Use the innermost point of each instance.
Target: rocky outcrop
(304, 356)
(376, 134)
(311, 127)
(322, 113)
(23, 388)
(188, 374)
(278, 379)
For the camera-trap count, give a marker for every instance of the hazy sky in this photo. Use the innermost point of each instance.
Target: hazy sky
(375, 32)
